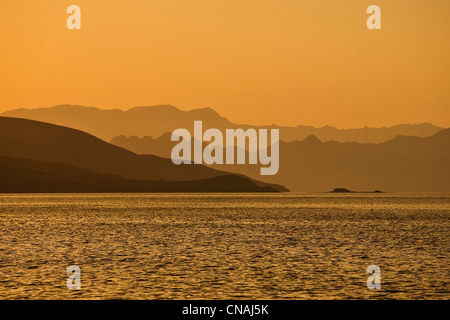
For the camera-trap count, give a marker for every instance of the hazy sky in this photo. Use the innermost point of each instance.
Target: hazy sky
(287, 62)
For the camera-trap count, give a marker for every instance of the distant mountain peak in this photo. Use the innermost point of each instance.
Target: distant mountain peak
(73, 107)
(206, 110)
(160, 107)
(442, 133)
(312, 139)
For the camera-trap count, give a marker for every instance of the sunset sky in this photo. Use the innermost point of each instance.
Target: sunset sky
(289, 62)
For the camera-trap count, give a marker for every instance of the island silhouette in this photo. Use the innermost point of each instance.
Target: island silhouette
(345, 190)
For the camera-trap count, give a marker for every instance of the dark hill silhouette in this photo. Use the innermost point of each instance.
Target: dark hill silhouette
(341, 190)
(23, 176)
(46, 142)
(402, 164)
(154, 121)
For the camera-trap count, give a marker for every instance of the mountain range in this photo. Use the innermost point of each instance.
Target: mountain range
(415, 161)
(402, 164)
(56, 156)
(154, 121)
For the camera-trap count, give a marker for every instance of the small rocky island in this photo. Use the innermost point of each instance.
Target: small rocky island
(345, 190)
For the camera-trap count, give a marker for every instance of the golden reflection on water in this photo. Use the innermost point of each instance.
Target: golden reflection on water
(224, 246)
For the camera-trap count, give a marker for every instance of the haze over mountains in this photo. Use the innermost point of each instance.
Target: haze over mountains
(415, 161)
(88, 159)
(154, 121)
(402, 164)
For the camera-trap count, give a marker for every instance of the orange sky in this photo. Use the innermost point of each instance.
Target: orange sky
(287, 62)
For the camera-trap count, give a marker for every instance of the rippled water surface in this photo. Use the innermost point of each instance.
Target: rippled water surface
(226, 246)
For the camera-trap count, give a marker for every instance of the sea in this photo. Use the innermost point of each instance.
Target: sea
(224, 246)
